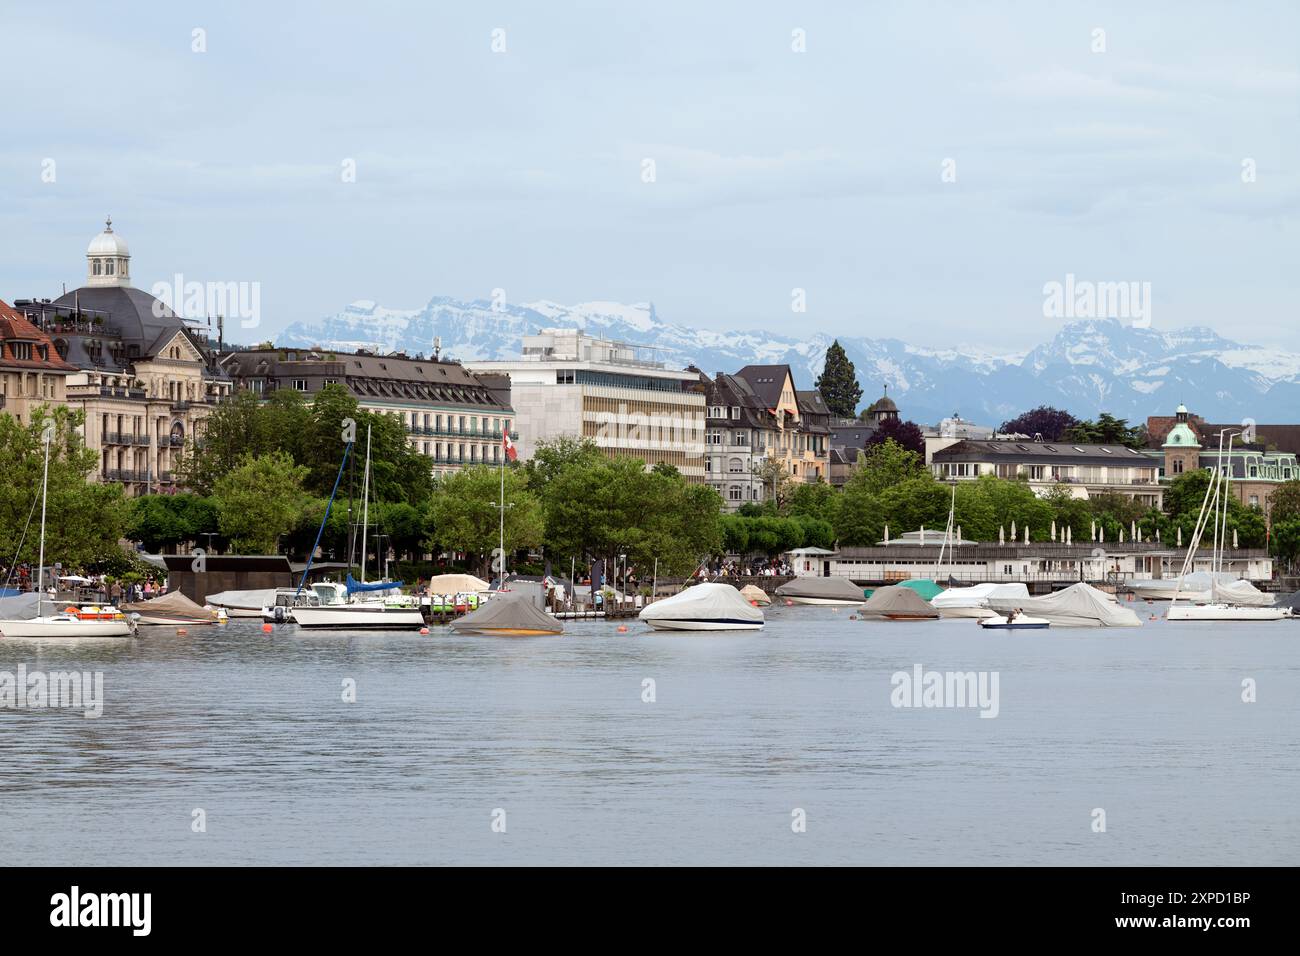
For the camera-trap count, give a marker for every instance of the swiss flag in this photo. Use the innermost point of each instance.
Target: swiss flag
(508, 447)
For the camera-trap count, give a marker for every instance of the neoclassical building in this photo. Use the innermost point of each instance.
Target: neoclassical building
(1255, 469)
(144, 378)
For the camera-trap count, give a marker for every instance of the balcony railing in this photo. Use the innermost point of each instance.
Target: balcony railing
(176, 441)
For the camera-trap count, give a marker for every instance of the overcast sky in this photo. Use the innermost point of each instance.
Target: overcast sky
(774, 169)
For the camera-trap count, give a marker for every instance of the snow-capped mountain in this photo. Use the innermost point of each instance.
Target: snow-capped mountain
(1087, 367)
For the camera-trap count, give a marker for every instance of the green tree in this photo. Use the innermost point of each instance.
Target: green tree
(164, 521)
(885, 465)
(1284, 502)
(84, 521)
(259, 500)
(1106, 430)
(464, 515)
(838, 382)
(814, 499)
(554, 455)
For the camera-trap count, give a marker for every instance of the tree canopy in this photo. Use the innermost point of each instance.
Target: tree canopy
(838, 382)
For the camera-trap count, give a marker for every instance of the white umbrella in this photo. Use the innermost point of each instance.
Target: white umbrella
(1026, 534)
(1180, 536)
(1069, 534)
(1234, 538)
(1002, 534)
(1013, 531)
(1094, 530)
(1053, 529)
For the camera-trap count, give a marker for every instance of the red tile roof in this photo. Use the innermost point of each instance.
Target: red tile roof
(15, 327)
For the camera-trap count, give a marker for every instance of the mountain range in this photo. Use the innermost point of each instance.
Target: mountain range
(1087, 367)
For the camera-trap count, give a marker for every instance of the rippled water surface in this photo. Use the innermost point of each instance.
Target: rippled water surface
(1147, 724)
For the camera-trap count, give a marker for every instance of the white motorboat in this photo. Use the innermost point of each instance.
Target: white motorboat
(1017, 622)
(829, 592)
(973, 602)
(333, 609)
(704, 607)
(72, 621)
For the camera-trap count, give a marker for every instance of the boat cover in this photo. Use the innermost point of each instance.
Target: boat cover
(173, 603)
(457, 584)
(897, 599)
(828, 589)
(244, 600)
(978, 595)
(1291, 600)
(751, 592)
(507, 611)
(704, 602)
(924, 587)
(22, 607)
(354, 585)
(1242, 593)
(1079, 605)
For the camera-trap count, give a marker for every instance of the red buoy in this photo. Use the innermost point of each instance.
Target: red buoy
(267, 628)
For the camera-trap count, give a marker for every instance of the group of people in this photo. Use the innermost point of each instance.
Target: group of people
(92, 587)
(737, 569)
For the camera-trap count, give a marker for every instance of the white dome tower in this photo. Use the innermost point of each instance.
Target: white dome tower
(108, 260)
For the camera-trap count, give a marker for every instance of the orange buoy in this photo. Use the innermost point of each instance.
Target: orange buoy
(267, 628)
(622, 628)
(424, 630)
(789, 603)
(181, 632)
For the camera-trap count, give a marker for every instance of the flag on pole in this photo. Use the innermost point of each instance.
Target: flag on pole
(508, 447)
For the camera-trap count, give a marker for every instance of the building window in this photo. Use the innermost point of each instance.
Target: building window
(565, 377)
(735, 412)
(300, 384)
(108, 267)
(735, 466)
(735, 493)
(1178, 466)
(96, 268)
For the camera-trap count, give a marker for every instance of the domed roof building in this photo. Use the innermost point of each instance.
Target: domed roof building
(881, 409)
(145, 379)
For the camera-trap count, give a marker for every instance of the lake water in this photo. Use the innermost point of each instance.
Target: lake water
(1146, 724)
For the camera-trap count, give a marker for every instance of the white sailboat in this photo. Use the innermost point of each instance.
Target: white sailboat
(334, 607)
(71, 622)
(1226, 601)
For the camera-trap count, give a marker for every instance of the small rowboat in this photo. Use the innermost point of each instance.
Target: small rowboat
(1021, 622)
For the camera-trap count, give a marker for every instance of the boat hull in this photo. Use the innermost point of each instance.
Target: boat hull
(353, 616)
(512, 632)
(240, 611)
(1224, 612)
(65, 628)
(969, 613)
(158, 620)
(824, 602)
(703, 625)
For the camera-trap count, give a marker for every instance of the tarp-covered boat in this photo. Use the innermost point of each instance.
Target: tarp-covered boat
(974, 601)
(897, 603)
(172, 608)
(508, 615)
(704, 607)
(1079, 605)
(456, 584)
(755, 595)
(837, 592)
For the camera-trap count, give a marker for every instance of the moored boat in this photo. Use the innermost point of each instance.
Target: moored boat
(173, 609)
(973, 602)
(704, 607)
(897, 603)
(508, 615)
(1079, 605)
(1014, 622)
(832, 592)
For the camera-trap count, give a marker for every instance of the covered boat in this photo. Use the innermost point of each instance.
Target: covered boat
(243, 603)
(457, 584)
(1079, 605)
(173, 608)
(755, 595)
(925, 587)
(837, 592)
(704, 607)
(898, 603)
(974, 601)
(508, 615)
(1196, 586)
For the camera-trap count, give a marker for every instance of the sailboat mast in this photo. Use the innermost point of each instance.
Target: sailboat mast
(501, 531)
(48, 436)
(365, 507)
(1227, 487)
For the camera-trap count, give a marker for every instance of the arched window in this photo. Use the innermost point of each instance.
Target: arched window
(96, 268)
(735, 466)
(109, 265)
